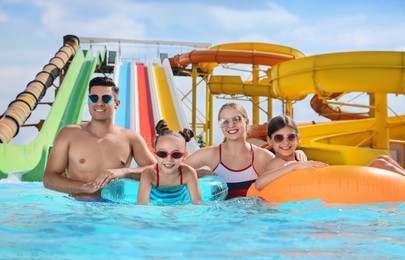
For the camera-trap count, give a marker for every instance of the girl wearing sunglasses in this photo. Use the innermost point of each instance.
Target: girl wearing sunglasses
(282, 135)
(169, 174)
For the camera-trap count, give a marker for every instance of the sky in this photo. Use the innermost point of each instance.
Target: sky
(32, 30)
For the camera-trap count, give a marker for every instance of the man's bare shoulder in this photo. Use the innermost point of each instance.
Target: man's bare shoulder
(68, 129)
(131, 134)
(74, 131)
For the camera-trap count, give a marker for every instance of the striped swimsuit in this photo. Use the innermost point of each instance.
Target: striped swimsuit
(238, 181)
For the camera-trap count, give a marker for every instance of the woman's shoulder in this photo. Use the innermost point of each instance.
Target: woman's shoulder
(206, 151)
(259, 151)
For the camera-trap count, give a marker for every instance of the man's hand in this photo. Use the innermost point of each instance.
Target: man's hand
(106, 176)
(90, 187)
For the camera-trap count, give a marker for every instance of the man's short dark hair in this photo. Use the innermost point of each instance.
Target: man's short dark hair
(104, 82)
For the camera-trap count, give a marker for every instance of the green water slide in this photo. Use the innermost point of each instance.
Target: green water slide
(30, 159)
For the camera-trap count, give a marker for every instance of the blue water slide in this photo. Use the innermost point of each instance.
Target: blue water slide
(123, 115)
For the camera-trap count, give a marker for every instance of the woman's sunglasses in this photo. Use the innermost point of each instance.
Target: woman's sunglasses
(280, 138)
(225, 122)
(174, 155)
(93, 98)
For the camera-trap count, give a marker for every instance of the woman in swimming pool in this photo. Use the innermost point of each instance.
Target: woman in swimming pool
(282, 135)
(169, 171)
(236, 161)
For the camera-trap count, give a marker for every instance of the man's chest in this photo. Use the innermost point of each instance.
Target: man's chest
(101, 153)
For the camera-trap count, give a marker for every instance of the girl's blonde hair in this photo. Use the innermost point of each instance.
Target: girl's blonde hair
(236, 106)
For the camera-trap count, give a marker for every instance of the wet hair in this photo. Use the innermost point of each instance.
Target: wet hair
(104, 82)
(236, 106)
(279, 122)
(162, 130)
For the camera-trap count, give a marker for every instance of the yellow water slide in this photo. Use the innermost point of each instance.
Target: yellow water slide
(352, 141)
(373, 72)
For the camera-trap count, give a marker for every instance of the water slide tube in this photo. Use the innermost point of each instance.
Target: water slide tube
(244, 53)
(125, 191)
(373, 72)
(260, 54)
(369, 71)
(67, 108)
(20, 109)
(334, 113)
(335, 184)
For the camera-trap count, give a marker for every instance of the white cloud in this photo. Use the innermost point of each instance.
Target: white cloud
(3, 16)
(254, 19)
(358, 38)
(356, 32)
(92, 19)
(255, 37)
(325, 30)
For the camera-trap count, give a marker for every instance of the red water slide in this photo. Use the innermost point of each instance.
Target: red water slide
(145, 112)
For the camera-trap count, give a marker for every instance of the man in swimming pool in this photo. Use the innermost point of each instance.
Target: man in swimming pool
(86, 156)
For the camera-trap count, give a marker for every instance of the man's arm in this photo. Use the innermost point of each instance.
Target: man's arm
(140, 150)
(57, 164)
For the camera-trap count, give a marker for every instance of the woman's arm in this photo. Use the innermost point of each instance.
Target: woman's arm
(262, 159)
(206, 158)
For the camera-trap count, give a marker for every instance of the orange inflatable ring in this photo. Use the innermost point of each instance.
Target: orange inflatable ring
(336, 184)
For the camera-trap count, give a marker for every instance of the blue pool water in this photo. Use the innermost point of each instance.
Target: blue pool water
(37, 223)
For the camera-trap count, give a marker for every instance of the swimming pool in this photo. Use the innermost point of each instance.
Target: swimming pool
(37, 223)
